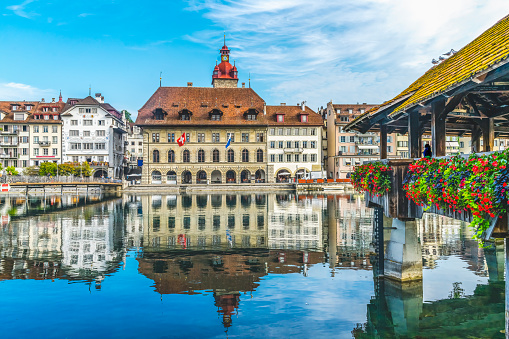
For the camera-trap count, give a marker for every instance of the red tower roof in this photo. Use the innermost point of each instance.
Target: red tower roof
(225, 70)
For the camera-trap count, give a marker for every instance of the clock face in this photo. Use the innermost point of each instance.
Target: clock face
(224, 58)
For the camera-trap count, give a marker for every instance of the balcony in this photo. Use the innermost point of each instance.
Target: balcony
(10, 132)
(11, 143)
(44, 143)
(293, 150)
(8, 156)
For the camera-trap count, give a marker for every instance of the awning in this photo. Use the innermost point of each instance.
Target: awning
(452, 144)
(368, 147)
(283, 173)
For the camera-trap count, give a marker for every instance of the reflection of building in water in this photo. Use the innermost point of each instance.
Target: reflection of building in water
(92, 240)
(205, 220)
(227, 304)
(441, 236)
(295, 222)
(133, 221)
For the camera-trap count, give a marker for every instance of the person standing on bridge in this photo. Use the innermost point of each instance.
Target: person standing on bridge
(427, 151)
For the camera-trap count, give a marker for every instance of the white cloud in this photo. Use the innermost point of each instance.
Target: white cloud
(19, 10)
(18, 91)
(347, 51)
(84, 15)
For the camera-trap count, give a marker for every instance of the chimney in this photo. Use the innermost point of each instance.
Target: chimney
(99, 98)
(364, 103)
(303, 105)
(283, 104)
(243, 85)
(189, 84)
(42, 100)
(264, 109)
(52, 99)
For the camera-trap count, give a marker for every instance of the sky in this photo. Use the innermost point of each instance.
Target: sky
(347, 51)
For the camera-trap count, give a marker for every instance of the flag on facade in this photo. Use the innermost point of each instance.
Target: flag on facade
(181, 141)
(229, 141)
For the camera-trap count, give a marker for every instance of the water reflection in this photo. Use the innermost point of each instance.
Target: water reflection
(266, 263)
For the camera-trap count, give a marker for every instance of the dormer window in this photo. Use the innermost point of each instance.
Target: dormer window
(280, 118)
(159, 114)
(185, 115)
(251, 114)
(215, 115)
(362, 111)
(54, 109)
(350, 111)
(14, 107)
(303, 118)
(28, 107)
(45, 109)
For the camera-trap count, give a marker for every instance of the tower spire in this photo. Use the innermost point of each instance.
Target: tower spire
(224, 38)
(60, 96)
(249, 79)
(160, 78)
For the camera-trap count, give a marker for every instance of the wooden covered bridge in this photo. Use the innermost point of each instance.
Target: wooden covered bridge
(466, 94)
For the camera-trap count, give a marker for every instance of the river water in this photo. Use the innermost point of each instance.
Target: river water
(233, 265)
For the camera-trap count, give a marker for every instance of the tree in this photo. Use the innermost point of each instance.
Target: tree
(30, 171)
(83, 169)
(128, 116)
(65, 169)
(11, 170)
(48, 168)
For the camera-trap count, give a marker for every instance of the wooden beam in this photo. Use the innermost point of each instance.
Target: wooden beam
(472, 103)
(438, 129)
(413, 134)
(383, 141)
(476, 139)
(488, 134)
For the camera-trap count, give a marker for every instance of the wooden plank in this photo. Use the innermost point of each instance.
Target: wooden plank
(476, 139)
(438, 129)
(488, 134)
(383, 141)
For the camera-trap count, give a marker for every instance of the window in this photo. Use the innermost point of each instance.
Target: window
(296, 157)
(280, 157)
(313, 144)
(86, 133)
(185, 115)
(188, 137)
(304, 144)
(36, 129)
(272, 144)
(462, 144)
(389, 138)
(36, 139)
(155, 137)
(88, 145)
(171, 156)
(245, 137)
(19, 116)
(312, 131)
(25, 128)
(313, 157)
(288, 144)
(250, 116)
(25, 140)
(280, 144)
(259, 137)
(36, 151)
(343, 118)
(352, 138)
(279, 131)
(215, 137)
(74, 133)
(304, 158)
(296, 131)
(342, 138)
(389, 149)
(201, 137)
(232, 135)
(272, 158)
(101, 123)
(185, 156)
(100, 145)
(215, 155)
(296, 144)
(75, 159)
(201, 156)
(171, 137)
(288, 131)
(102, 133)
(54, 129)
(87, 122)
(259, 155)
(303, 118)
(231, 155)
(215, 117)
(155, 156)
(272, 131)
(75, 145)
(288, 158)
(74, 122)
(24, 151)
(245, 155)
(304, 131)
(45, 151)
(280, 118)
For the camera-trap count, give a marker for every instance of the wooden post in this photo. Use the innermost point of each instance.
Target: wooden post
(414, 135)
(476, 139)
(488, 134)
(438, 131)
(383, 141)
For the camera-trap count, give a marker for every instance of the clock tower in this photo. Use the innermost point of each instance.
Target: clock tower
(225, 75)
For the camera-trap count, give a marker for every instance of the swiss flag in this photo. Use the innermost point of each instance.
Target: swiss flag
(181, 141)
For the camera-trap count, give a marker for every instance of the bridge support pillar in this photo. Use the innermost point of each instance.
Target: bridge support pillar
(403, 257)
(495, 259)
(404, 302)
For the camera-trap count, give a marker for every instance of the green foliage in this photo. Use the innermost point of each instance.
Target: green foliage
(11, 170)
(30, 171)
(374, 178)
(83, 169)
(128, 116)
(48, 168)
(477, 184)
(65, 169)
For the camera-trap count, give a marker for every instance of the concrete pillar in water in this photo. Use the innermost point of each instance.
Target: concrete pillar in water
(332, 207)
(403, 257)
(404, 302)
(495, 259)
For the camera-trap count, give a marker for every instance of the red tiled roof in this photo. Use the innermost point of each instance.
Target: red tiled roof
(292, 116)
(200, 101)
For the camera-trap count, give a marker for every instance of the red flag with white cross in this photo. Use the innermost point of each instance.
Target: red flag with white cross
(181, 141)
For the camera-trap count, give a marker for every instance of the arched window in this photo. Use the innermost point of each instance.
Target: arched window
(171, 156)
(215, 155)
(231, 155)
(245, 155)
(155, 156)
(185, 156)
(201, 156)
(259, 155)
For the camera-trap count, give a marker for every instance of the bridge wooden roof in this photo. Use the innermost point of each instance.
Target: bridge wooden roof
(474, 80)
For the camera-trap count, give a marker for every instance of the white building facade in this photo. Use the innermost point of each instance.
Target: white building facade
(93, 132)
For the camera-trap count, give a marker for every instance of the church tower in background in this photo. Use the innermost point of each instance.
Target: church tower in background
(225, 75)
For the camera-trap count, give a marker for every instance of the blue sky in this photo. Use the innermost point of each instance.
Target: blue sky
(347, 51)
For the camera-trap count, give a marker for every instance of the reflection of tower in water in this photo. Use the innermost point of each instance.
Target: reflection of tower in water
(227, 304)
